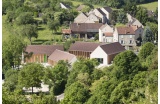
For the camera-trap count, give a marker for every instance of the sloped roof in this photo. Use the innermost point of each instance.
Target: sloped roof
(67, 6)
(81, 18)
(66, 31)
(108, 9)
(108, 34)
(125, 30)
(112, 48)
(101, 11)
(85, 27)
(84, 46)
(58, 55)
(43, 49)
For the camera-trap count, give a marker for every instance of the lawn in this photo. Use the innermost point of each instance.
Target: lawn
(44, 34)
(150, 6)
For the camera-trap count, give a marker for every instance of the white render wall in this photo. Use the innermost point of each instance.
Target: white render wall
(99, 53)
(100, 35)
(115, 35)
(106, 12)
(107, 39)
(73, 60)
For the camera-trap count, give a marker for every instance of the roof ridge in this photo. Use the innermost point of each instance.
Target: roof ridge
(64, 52)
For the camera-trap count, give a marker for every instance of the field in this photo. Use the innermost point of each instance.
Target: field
(150, 6)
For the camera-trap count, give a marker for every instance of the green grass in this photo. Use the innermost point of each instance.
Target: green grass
(150, 6)
(119, 24)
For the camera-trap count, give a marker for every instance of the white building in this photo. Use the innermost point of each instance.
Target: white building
(106, 53)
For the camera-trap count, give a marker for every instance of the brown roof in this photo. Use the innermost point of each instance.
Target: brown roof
(112, 48)
(108, 9)
(84, 46)
(85, 27)
(43, 49)
(125, 30)
(108, 34)
(66, 31)
(58, 55)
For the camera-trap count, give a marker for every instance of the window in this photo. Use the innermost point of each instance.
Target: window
(130, 36)
(121, 41)
(130, 42)
(100, 60)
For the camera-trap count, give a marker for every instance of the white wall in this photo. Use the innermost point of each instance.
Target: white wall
(99, 53)
(73, 60)
(106, 12)
(115, 35)
(62, 6)
(100, 35)
(108, 39)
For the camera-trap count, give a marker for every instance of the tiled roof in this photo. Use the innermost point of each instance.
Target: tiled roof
(108, 9)
(85, 27)
(43, 49)
(108, 34)
(66, 31)
(112, 48)
(125, 30)
(58, 55)
(84, 46)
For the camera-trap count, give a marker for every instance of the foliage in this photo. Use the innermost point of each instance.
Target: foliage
(127, 65)
(122, 18)
(57, 77)
(148, 35)
(31, 75)
(11, 51)
(154, 28)
(142, 15)
(75, 93)
(11, 79)
(145, 51)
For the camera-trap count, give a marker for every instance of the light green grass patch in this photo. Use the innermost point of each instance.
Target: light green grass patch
(150, 6)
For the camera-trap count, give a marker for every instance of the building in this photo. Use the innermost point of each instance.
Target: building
(127, 35)
(40, 53)
(58, 55)
(84, 30)
(106, 33)
(81, 18)
(83, 49)
(64, 6)
(105, 53)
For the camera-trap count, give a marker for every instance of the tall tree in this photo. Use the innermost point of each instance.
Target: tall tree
(142, 15)
(11, 51)
(75, 93)
(57, 77)
(145, 51)
(31, 75)
(127, 65)
(148, 35)
(29, 31)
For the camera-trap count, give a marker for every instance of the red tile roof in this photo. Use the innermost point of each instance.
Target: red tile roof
(125, 30)
(66, 31)
(108, 34)
(112, 48)
(43, 49)
(58, 55)
(84, 46)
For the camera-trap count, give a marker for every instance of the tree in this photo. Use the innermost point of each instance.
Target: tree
(122, 18)
(11, 51)
(75, 93)
(31, 75)
(25, 18)
(130, 8)
(126, 65)
(11, 80)
(57, 77)
(145, 51)
(148, 36)
(142, 15)
(53, 25)
(29, 31)
(154, 28)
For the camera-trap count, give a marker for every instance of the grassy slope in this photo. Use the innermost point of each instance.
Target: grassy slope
(150, 6)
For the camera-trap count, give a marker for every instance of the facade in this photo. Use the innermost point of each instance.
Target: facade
(58, 55)
(39, 53)
(105, 32)
(81, 18)
(83, 49)
(105, 53)
(92, 19)
(107, 11)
